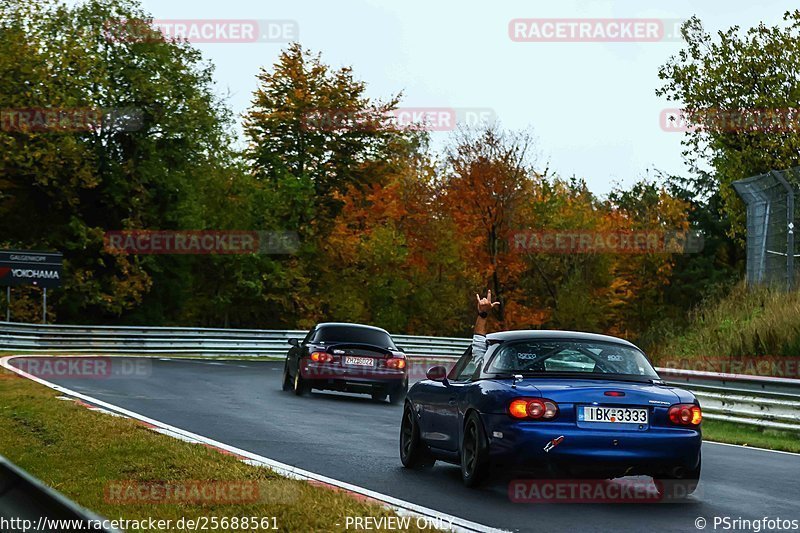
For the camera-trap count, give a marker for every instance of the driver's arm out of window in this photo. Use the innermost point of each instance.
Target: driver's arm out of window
(478, 348)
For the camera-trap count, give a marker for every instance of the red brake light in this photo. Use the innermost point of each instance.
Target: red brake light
(685, 414)
(322, 357)
(396, 362)
(533, 408)
(518, 408)
(615, 393)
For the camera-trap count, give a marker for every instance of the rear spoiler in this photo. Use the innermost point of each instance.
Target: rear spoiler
(344, 345)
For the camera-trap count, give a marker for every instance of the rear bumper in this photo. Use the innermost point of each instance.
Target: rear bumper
(658, 449)
(321, 374)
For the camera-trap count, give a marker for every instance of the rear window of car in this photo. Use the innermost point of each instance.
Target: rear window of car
(557, 356)
(351, 334)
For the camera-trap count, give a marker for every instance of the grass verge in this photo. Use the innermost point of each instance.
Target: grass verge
(731, 433)
(83, 454)
(750, 322)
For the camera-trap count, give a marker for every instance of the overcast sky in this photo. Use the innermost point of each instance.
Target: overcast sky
(591, 105)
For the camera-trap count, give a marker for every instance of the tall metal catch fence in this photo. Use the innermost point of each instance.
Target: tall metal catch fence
(771, 216)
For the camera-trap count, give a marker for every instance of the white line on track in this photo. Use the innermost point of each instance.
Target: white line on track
(750, 447)
(187, 360)
(402, 507)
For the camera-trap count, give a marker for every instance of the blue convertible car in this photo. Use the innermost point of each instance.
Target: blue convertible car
(560, 402)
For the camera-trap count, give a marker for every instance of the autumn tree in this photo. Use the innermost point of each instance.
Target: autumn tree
(162, 133)
(569, 289)
(314, 136)
(315, 125)
(397, 263)
(489, 177)
(740, 91)
(641, 279)
(390, 232)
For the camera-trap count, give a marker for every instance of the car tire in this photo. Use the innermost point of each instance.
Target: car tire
(300, 387)
(674, 487)
(287, 378)
(474, 452)
(398, 394)
(413, 452)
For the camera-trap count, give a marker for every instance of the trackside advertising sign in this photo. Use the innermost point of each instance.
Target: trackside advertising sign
(26, 267)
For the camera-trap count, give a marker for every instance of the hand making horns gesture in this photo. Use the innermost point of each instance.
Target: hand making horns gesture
(486, 304)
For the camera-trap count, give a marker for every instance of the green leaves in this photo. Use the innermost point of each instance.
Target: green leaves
(734, 85)
(388, 235)
(64, 188)
(311, 122)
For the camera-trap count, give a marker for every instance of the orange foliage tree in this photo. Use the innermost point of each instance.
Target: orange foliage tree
(488, 183)
(392, 260)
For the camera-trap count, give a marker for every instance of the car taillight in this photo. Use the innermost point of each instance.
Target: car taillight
(396, 362)
(533, 408)
(685, 414)
(322, 357)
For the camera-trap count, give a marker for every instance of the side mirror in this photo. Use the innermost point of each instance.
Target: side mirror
(293, 342)
(436, 373)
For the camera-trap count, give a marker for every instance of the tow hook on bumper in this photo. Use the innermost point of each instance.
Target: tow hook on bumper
(553, 443)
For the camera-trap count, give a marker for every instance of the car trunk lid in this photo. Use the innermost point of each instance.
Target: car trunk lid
(602, 392)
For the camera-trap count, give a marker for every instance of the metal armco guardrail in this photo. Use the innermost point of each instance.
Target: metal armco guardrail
(33, 338)
(757, 400)
(764, 401)
(27, 504)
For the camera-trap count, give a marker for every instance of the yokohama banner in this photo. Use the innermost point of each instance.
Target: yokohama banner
(26, 267)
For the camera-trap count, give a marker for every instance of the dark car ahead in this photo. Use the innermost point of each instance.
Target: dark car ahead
(347, 358)
(560, 401)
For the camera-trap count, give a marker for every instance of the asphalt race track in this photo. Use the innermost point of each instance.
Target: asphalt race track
(353, 439)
